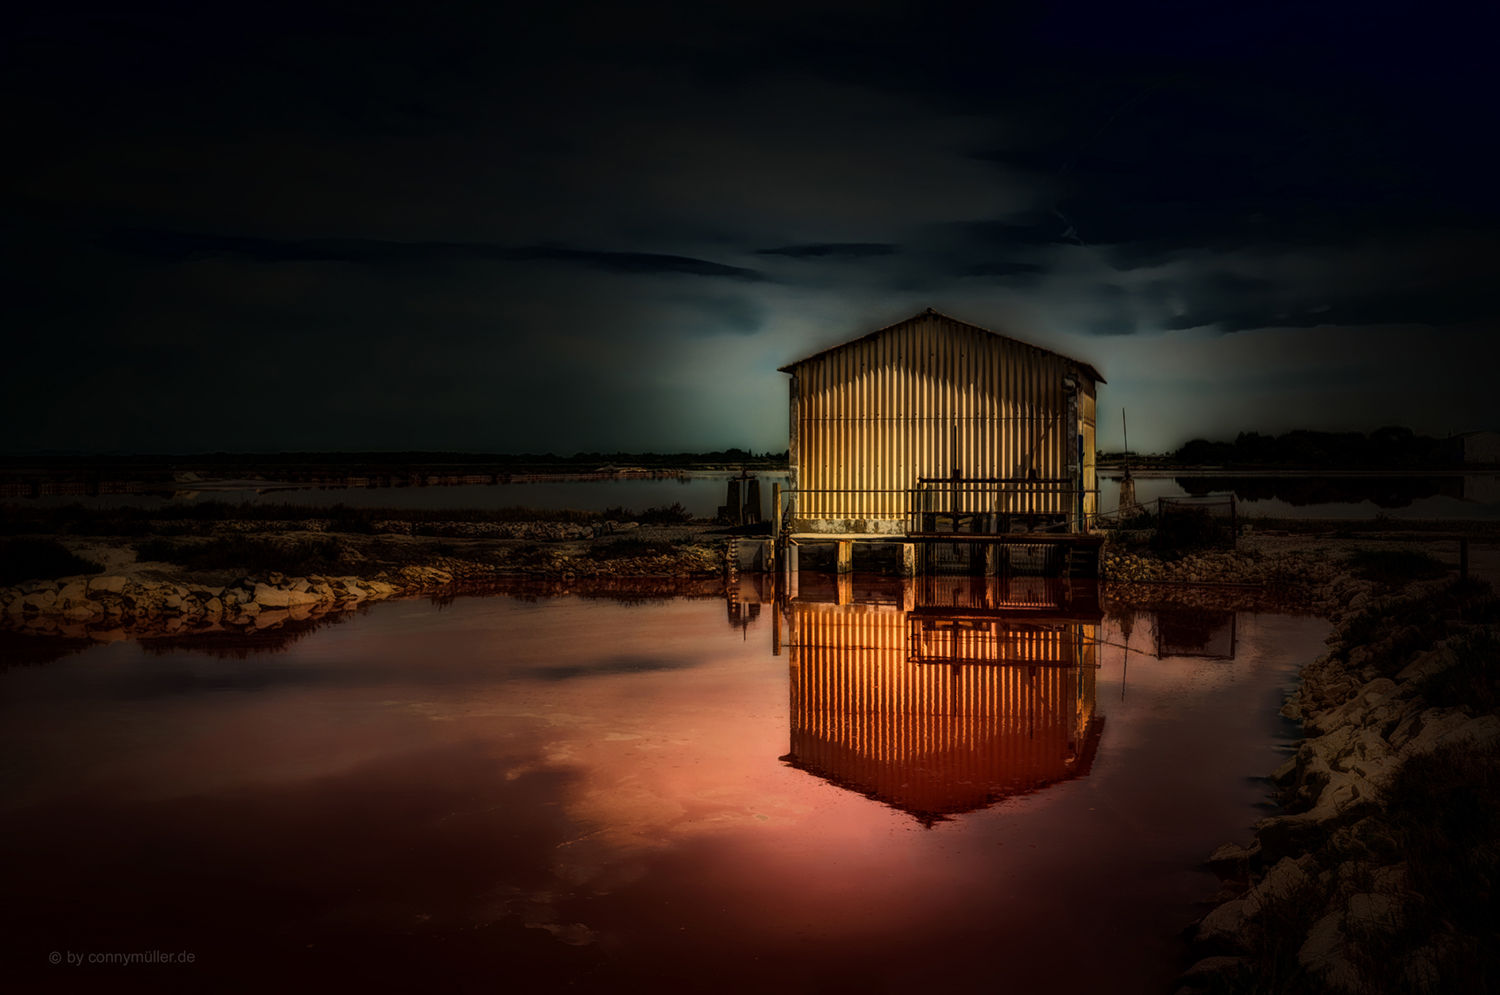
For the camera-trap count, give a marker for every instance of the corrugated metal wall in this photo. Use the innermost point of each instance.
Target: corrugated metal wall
(926, 738)
(918, 399)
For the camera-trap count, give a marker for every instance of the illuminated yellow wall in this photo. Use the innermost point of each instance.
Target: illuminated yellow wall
(917, 398)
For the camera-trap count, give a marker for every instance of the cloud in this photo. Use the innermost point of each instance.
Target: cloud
(853, 250)
(189, 245)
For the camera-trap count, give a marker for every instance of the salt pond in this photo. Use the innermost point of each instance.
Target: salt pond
(384, 803)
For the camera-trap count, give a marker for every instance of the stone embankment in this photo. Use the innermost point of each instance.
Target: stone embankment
(1311, 580)
(1343, 892)
(133, 598)
(107, 608)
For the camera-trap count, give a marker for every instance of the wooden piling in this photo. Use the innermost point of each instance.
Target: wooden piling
(733, 504)
(776, 526)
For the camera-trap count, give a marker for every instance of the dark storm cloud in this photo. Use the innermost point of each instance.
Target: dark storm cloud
(190, 245)
(1002, 269)
(853, 250)
(582, 227)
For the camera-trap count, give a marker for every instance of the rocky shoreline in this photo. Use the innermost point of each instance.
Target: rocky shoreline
(134, 598)
(1362, 884)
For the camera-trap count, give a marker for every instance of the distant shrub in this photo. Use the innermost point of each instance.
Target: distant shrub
(250, 555)
(673, 514)
(1470, 681)
(1183, 526)
(622, 549)
(200, 516)
(40, 559)
(1391, 568)
(1396, 631)
(1444, 818)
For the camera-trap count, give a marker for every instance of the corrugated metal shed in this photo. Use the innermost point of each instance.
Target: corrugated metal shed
(935, 397)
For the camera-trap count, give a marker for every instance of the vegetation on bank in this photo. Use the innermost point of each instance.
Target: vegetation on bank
(199, 516)
(1389, 634)
(163, 468)
(1393, 569)
(40, 559)
(252, 555)
(1391, 446)
(1441, 825)
(1381, 878)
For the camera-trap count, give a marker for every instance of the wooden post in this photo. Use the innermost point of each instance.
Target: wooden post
(908, 559)
(794, 440)
(733, 502)
(846, 556)
(776, 522)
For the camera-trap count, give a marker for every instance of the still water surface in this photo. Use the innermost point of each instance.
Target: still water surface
(904, 796)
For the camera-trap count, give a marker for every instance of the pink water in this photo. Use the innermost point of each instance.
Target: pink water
(587, 795)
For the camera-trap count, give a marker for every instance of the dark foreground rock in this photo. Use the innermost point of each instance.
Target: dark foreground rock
(1378, 874)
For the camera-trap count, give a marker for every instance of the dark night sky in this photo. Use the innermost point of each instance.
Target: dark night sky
(435, 225)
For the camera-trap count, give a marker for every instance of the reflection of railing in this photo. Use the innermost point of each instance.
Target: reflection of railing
(995, 642)
(1011, 594)
(1199, 633)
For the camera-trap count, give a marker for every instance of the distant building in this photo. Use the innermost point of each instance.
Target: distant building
(1473, 447)
(934, 416)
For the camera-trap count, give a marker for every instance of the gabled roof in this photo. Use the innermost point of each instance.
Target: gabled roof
(1085, 367)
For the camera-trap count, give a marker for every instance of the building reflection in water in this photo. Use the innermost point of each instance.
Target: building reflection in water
(1195, 632)
(942, 695)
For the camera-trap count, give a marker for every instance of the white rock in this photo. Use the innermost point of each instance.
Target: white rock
(1382, 912)
(1280, 881)
(1484, 729)
(271, 597)
(107, 585)
(1436, 723)
(1323, 954)
(74, 589)
(1223, 924)
(1426, 664)
(1211, 967)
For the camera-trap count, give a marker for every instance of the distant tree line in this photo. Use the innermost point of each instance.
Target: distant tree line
(413, 458)
(1391, 446)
